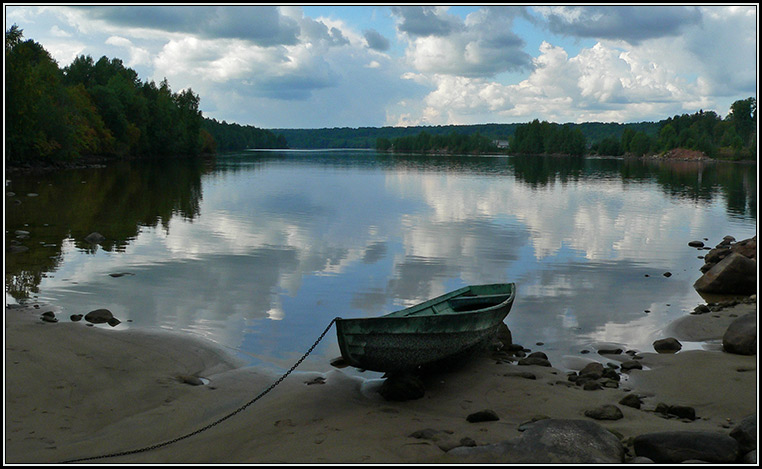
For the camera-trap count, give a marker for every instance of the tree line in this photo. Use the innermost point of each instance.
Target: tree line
(451, 143)
(733, 138)
(233, 137)
(101, 108)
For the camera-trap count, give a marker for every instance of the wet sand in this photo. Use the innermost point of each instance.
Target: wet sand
(73, 391)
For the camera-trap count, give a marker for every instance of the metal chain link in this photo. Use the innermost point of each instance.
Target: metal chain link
(220, 420)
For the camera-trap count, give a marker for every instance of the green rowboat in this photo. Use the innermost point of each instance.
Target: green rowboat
(430, 332)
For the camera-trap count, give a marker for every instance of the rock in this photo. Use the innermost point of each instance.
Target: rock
(750, 457)
(316, 380)
(605, 412)
(716, 255)
(504, 335)
(741, 336)
(668, 345)
(631, 400)
(676, 410)
(696, 244)
(95, 238)
(682, 411)
(735, 274)
(631, 365)
(553, 441)
(591, 385)
(99, 316)
(49, 316)
(442, 438)
(513, 347)
(402, 387)
(539, 361)
(113, 322)
(467, 442)
(523, 426)
(747, 248)
(593, 370)
(425, 434)
(485, 415)
(76, 317)
(745, 433)
(678, 446)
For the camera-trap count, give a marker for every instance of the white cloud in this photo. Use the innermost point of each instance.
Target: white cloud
(137, 55)
(602, 83)
(483, 45)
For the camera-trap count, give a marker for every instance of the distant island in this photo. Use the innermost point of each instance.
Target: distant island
(101, 109)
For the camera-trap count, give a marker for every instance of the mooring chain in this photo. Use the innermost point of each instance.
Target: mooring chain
(220, 420)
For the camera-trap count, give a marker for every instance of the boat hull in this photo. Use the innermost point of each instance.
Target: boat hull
(434, 331)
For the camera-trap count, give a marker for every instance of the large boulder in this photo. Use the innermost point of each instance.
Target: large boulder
(745, 434)
(741, 336)
(735, 274)
(672, 447)
(553, 441)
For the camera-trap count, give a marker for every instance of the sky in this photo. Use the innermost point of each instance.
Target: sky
(323, 66)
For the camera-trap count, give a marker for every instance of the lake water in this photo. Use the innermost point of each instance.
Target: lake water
(258, 251)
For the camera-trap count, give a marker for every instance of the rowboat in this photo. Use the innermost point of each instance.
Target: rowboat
(436, 330)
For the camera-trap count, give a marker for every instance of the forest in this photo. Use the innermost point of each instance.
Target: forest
(101, 108)
(425, 142)
(732, 138)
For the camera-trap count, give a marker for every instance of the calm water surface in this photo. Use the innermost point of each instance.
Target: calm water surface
(259, 251)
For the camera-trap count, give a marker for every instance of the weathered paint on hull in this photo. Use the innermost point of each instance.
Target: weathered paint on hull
(415, 337)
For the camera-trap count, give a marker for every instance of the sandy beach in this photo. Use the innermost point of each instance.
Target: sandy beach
(73, 392)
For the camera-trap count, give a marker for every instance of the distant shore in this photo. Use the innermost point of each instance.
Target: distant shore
(74, 392)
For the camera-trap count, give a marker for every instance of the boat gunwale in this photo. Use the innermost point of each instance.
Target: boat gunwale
(396, 315)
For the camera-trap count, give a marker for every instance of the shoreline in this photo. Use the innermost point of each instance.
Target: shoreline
(81, 392)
